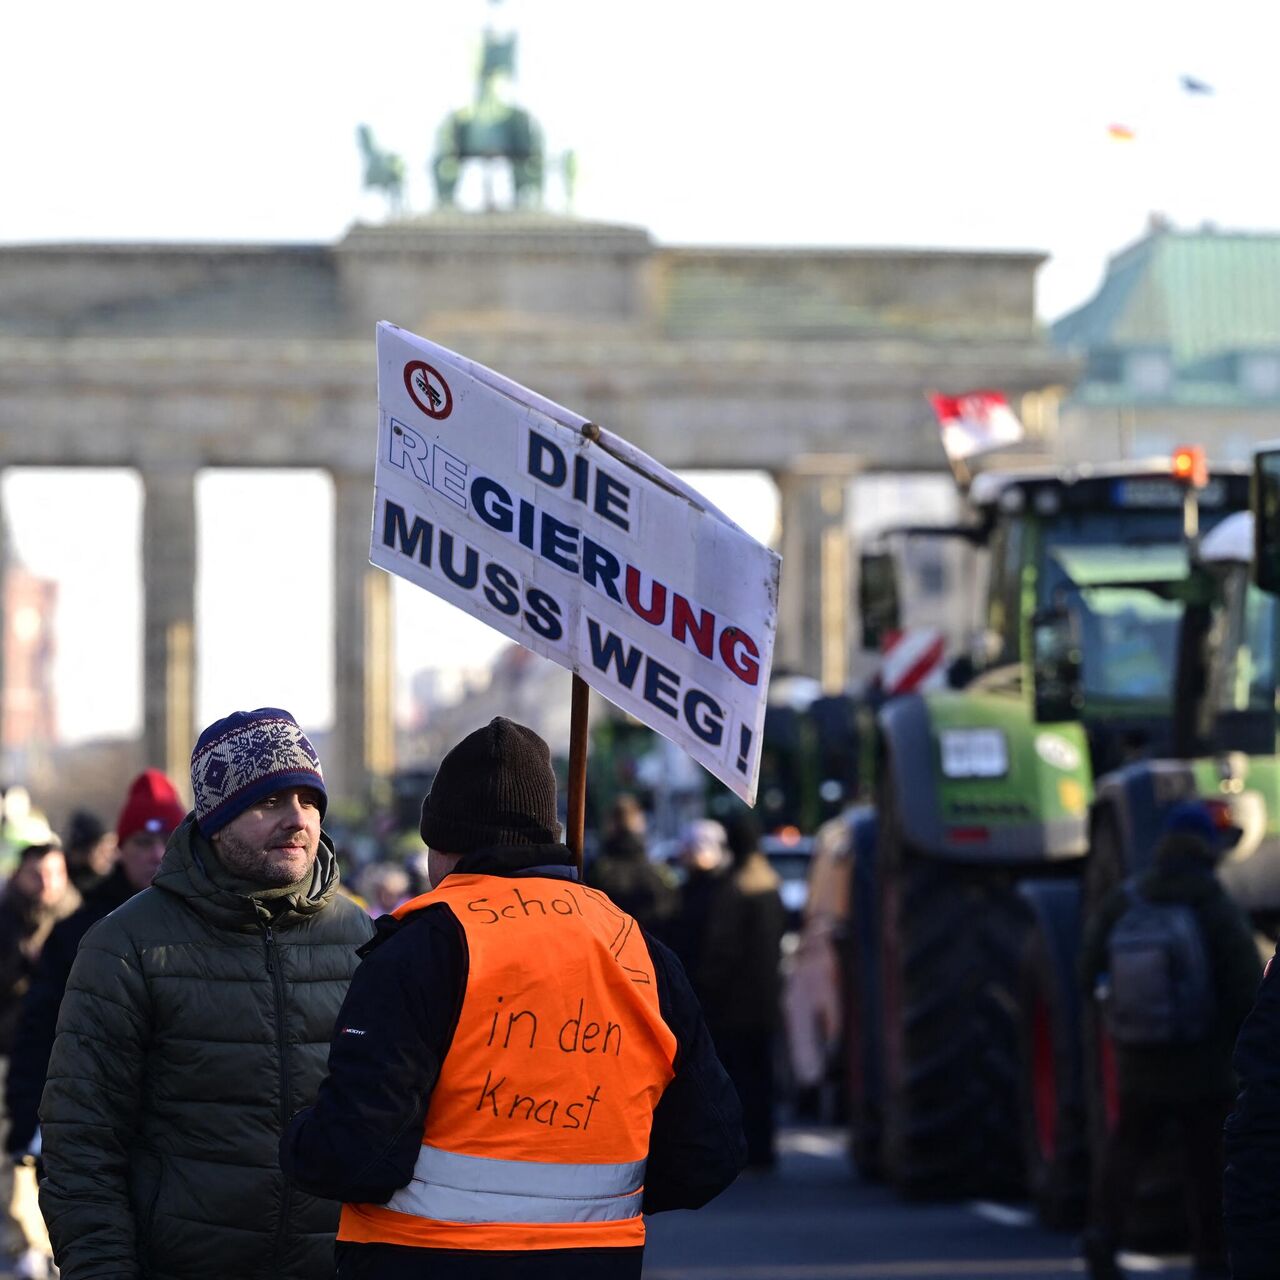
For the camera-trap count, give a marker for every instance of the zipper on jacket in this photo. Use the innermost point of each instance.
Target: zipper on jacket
(277, 986)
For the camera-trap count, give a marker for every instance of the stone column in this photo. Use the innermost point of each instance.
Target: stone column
(168, 612)
(364, 675)
(814, 606)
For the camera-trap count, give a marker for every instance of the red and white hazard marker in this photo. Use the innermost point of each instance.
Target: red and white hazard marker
(912, 660)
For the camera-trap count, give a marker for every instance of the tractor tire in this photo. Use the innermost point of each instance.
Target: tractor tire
(1000, 924)
(1053, 1128)
(1156, 1220)
(947, 1042)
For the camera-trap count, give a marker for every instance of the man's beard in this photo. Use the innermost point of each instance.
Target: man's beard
(257, 864)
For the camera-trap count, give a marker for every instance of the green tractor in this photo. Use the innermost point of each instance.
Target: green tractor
(808, 766)
(978, 787)
(1223, 749)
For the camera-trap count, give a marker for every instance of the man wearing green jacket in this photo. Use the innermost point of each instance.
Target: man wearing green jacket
(197, 1020)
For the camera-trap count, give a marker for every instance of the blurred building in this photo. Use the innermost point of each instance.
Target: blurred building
(809, 364)
(1180, 345)
(518, 684)
(30, 717)
(59, 778)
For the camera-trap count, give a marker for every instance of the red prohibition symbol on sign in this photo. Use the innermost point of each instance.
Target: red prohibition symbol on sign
(427, 389)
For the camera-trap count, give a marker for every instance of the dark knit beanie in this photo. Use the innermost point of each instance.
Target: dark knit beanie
(246, 757)
(86, 829)
(496, 787)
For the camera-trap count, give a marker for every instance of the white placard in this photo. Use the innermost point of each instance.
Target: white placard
(571, 542)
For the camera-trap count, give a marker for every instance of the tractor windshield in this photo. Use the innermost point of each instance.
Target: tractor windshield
(1103, 566)
(1129, 645)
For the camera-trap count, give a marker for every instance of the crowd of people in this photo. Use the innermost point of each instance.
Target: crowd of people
(55, 894)
(221, 1061)
(723, 916)
(218, 1060)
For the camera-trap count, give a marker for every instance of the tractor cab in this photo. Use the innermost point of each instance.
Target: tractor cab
(1230, 692)
(1087, 593)
(1224, 726)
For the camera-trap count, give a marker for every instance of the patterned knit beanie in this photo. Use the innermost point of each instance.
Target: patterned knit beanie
(246, 757)
(496, 787)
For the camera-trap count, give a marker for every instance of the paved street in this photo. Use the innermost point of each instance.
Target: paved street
(811, 1220)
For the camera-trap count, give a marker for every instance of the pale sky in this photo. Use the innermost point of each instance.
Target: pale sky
(930, 124)
(981, 125)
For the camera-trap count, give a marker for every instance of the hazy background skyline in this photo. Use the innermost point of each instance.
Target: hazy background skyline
(929, 125)
(925, 124)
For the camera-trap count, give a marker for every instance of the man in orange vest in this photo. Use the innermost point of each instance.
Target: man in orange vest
(519, 1072)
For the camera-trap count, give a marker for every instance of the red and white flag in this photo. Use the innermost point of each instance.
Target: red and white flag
(975, 422)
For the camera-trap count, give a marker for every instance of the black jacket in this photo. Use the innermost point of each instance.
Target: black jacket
(1174, 1074)
(1251, 1181)
(25, 928)
(360, 1141)
(738, 979)
(643, 889)
(38, 1019)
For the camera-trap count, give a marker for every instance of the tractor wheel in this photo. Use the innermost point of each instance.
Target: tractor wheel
(1000, 924)
(1053, 1120)
(948, 1049)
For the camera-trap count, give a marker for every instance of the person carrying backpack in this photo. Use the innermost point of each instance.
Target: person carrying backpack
(1173, 964)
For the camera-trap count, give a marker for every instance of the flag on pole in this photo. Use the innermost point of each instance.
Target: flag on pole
(975, 422)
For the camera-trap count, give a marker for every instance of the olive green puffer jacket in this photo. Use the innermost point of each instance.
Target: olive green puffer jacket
(194, 1025)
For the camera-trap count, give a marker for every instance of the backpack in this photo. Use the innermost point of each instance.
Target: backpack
(1161, 985)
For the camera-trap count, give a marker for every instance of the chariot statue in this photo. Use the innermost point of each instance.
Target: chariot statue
(491, 129)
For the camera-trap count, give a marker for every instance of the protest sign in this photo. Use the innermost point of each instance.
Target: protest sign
(578, 546)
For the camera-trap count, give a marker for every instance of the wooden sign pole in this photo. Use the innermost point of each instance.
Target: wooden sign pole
(577, 803)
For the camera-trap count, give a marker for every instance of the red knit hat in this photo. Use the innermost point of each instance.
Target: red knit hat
(153, 805)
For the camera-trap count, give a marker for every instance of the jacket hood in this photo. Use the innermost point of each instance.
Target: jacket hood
(184, 872)
(509, 859)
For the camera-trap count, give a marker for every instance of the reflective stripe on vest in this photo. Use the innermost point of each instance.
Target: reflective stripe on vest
(451, 1187)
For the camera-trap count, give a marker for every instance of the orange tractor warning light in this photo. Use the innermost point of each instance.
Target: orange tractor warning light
(1190, 466)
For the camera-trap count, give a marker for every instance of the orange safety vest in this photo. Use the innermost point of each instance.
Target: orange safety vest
(538, 1127)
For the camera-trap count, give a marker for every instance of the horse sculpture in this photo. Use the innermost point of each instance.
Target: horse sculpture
(383, 170)
(491, 129)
